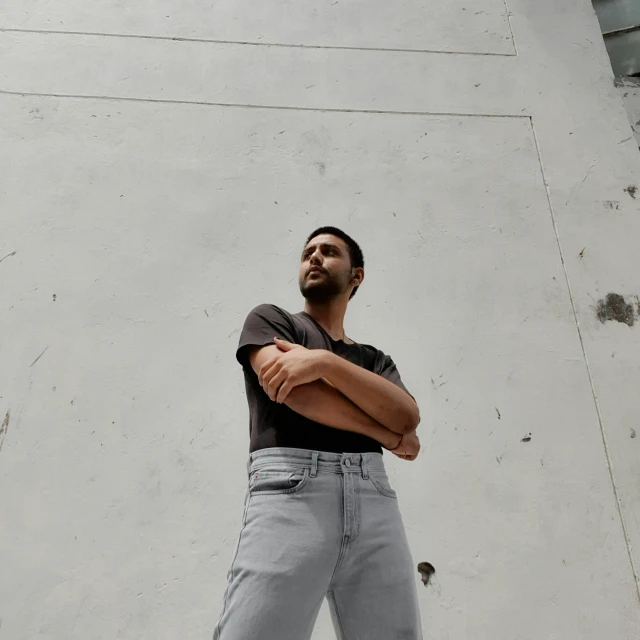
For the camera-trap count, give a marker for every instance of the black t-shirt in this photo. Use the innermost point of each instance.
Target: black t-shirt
(276, 425)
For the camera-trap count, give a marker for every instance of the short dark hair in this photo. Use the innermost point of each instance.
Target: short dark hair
(355, 253)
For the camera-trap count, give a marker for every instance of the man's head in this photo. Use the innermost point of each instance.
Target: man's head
(340, 261)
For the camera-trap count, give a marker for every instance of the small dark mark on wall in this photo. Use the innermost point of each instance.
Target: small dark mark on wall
(614, 307)
(426, 570)
(498, 412)
(9, 255)
(527, 438)
(633, 433)
(611, 204)
(581, 254)
(631, 190)
(40, 356)
(4, 428)
(54, 297)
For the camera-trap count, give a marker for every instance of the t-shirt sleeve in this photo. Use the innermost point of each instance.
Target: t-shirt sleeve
(261, 325)
(388, 370)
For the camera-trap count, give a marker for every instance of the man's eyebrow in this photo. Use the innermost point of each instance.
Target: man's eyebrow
(322, 244)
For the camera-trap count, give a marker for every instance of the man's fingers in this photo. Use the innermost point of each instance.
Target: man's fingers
(283, 392)
(274, 384)
(268, 366)
(267, 371)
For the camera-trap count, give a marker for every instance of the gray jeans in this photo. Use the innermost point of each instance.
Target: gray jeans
(318, 525)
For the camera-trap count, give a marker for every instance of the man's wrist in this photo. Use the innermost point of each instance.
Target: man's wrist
(324, 362)
(393, 444)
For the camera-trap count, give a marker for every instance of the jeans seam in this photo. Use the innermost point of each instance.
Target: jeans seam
(381, 489)
(281, 492)
(343, 636)
(218, 627)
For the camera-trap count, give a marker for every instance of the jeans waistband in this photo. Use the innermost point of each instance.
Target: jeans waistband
(316, 461)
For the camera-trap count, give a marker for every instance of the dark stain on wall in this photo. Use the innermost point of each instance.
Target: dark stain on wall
(615, 307)
(4, 428)
(426, 570)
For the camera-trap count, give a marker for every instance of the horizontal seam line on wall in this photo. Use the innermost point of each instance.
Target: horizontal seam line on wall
(255, 44)
(259, 106)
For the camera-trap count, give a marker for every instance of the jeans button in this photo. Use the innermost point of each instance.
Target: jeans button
(347, 463)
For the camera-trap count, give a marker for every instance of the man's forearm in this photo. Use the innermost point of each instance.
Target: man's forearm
(322, 402)
(385, 402)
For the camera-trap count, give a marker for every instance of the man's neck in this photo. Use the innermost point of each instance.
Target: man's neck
(330, 318)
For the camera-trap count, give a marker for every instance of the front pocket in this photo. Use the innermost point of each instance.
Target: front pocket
(381, 483)
(277, 481)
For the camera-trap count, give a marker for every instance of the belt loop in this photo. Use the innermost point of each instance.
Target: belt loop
(249, 466)
(365, 470)
(314, 464)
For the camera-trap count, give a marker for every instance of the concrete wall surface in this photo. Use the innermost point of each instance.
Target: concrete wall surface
(160, 166)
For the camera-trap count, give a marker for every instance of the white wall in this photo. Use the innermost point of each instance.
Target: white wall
(153, 190)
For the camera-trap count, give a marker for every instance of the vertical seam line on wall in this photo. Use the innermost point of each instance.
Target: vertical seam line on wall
(513, 38)
(616, 494)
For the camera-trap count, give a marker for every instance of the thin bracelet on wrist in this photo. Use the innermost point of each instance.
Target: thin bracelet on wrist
(399, 443)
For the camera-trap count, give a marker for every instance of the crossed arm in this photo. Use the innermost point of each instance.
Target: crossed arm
(331, 390)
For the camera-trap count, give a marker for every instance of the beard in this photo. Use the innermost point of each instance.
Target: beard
(322, 288)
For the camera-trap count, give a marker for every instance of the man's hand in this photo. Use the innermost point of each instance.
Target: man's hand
(295, 365)
(409, 447)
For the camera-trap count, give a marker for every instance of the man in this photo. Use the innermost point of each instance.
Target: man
(320, 517)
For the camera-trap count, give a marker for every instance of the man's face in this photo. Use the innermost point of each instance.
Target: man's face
(329, 256)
